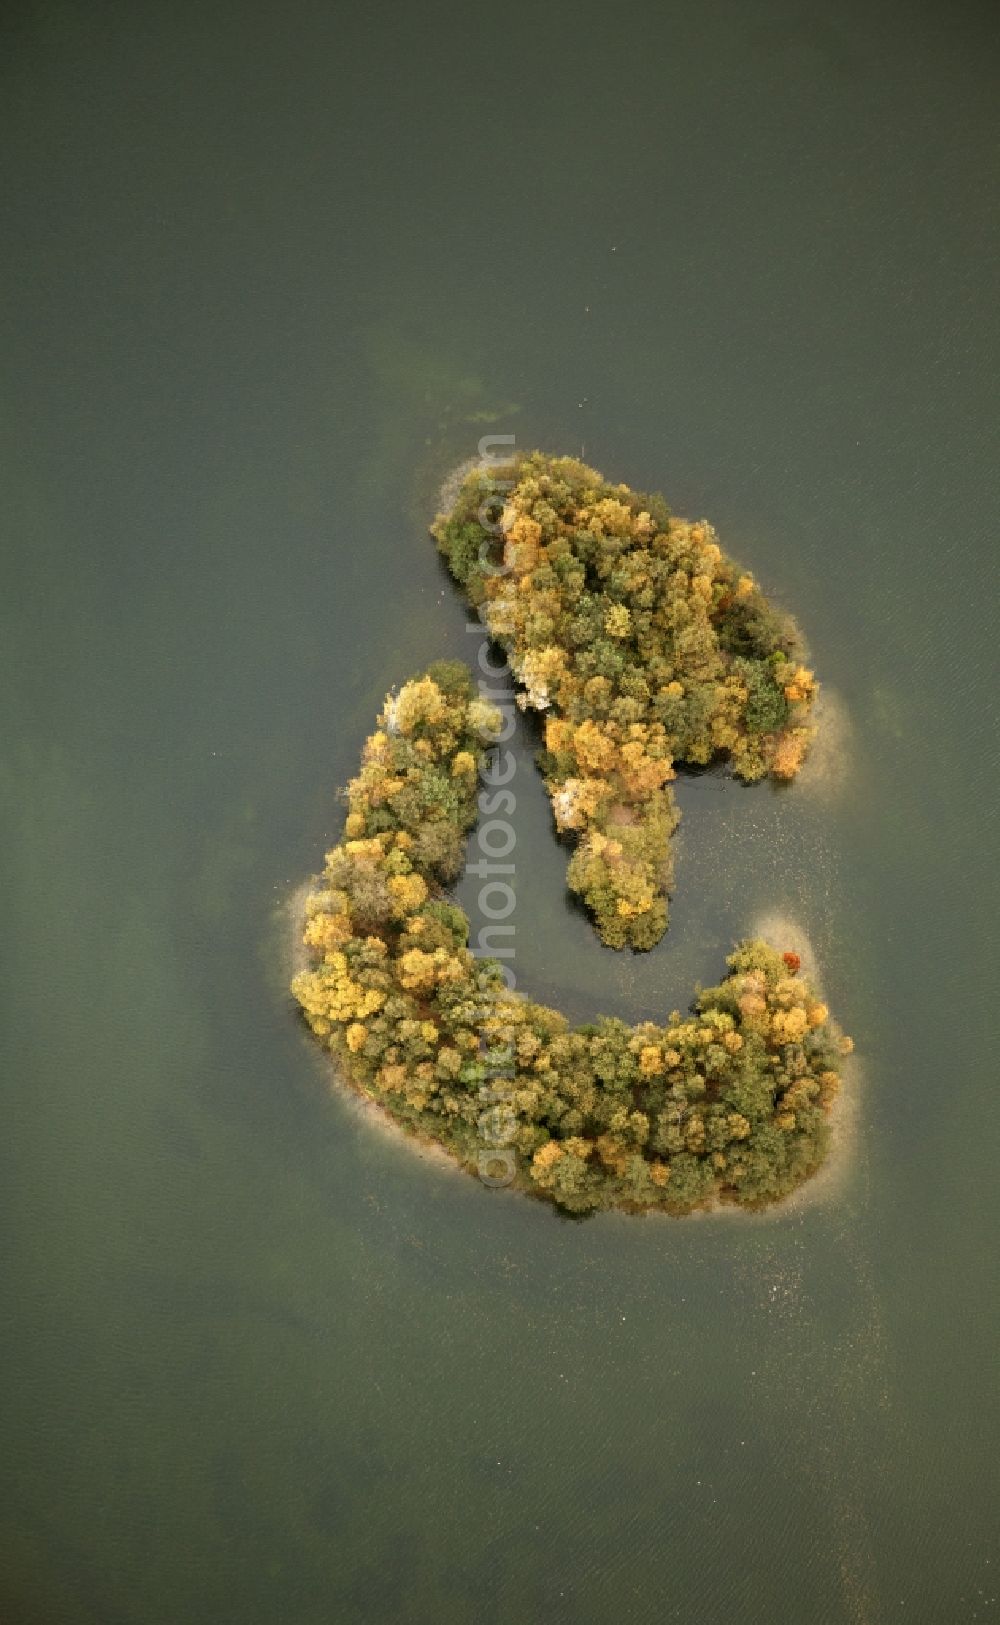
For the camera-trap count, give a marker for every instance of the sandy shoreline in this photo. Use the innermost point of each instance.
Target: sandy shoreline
(291, 914)
(780, 930)
(785, 933)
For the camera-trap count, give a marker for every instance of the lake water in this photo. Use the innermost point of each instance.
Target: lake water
(267, 274)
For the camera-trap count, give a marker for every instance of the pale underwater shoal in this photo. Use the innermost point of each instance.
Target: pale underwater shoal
(827, 770)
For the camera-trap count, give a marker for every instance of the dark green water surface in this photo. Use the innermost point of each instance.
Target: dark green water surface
(267, 272)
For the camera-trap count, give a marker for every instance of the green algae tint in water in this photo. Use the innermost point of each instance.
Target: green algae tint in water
(264, 275)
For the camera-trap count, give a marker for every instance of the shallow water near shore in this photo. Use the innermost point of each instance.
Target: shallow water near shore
(268, 278)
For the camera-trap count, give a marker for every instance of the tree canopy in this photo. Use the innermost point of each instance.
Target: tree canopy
(644, 646)
(728, 1102)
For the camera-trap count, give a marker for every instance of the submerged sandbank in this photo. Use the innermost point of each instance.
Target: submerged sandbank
(828, 767)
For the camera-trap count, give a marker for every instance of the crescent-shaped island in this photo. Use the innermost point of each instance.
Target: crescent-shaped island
(647, 648)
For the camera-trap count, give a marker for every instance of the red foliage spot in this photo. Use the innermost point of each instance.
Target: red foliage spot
(792, 961)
